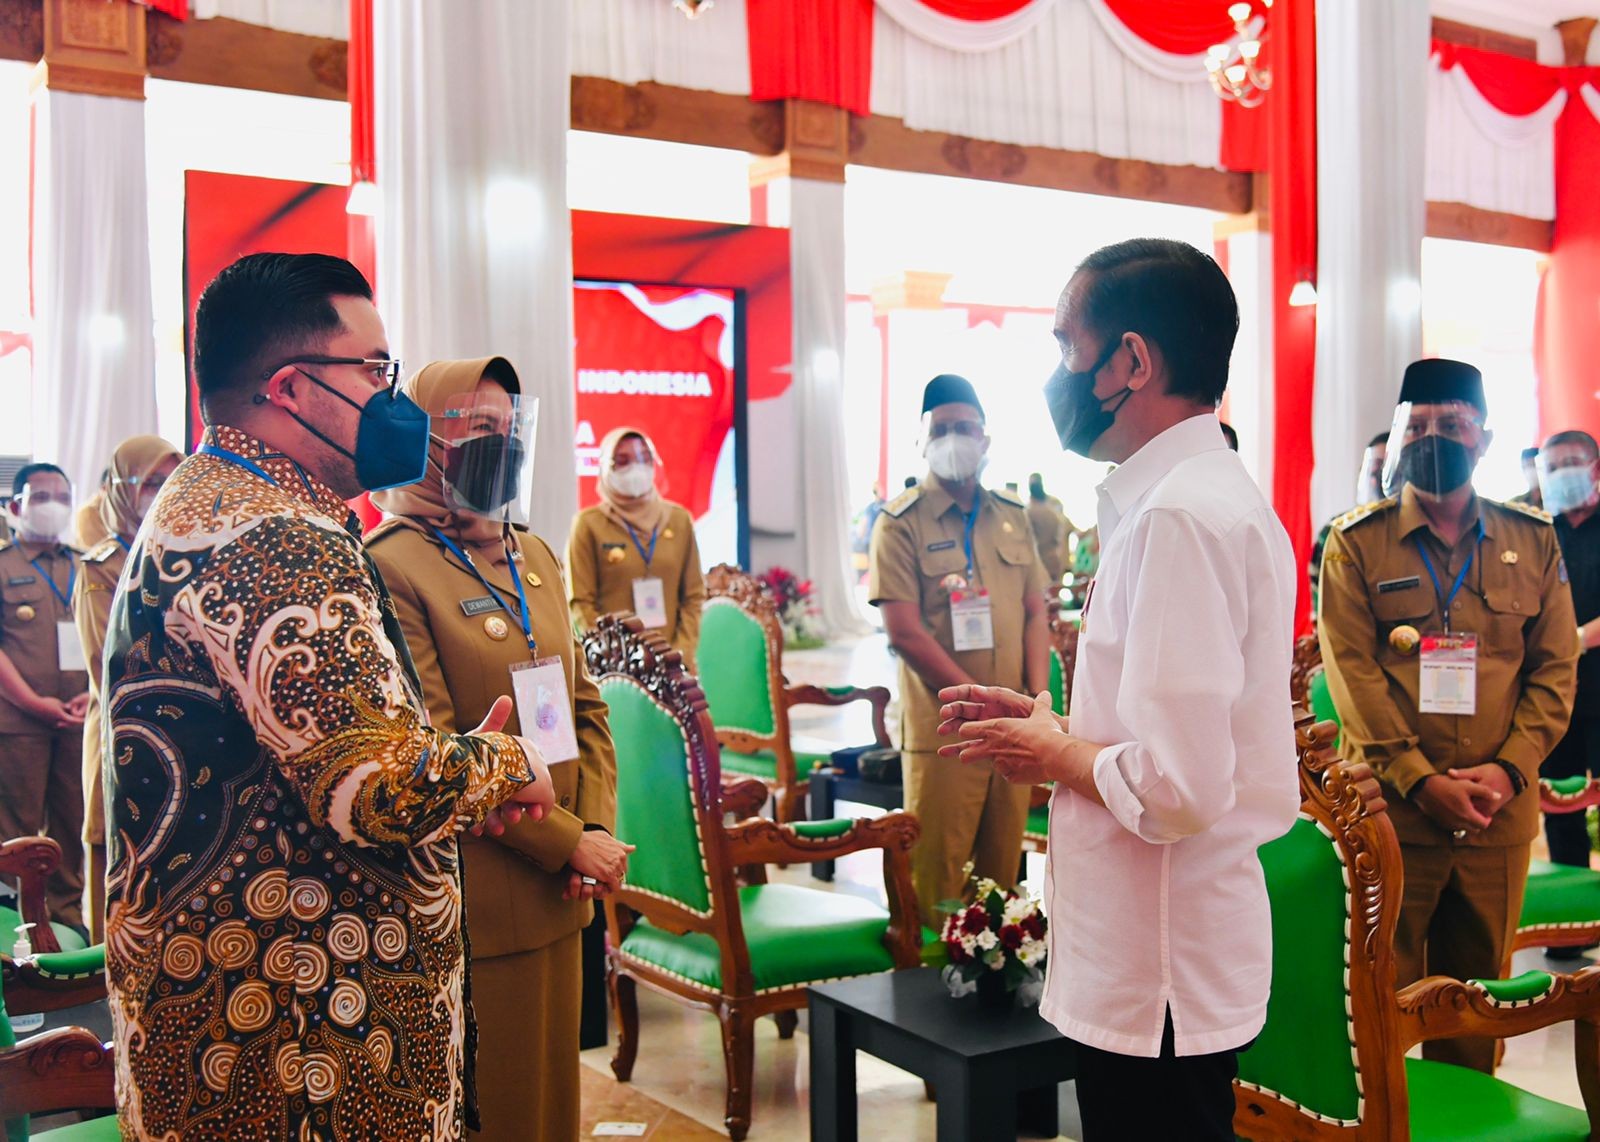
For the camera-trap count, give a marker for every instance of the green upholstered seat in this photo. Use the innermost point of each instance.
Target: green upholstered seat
(808, 753)
(1560, 894)
(1038, 822)
(1058, 696)
(1567, 786)
(796, 936)
(69, 939)
(734, 670)
(1454, 1104)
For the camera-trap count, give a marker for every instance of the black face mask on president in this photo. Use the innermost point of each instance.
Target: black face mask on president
(1080, 417)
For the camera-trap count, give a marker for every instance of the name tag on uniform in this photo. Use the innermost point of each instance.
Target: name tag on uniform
(1449, 682)
(21, 580)
(69, 648)
(971, 621)
(650, 603)
(543, 708)
(474, 607)
(943, 545)
(1389, 586)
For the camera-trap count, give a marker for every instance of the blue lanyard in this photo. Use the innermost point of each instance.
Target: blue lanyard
(972, 522)
(649, 555)
(72, 579)
(522, 598)
(1455, 588)
(238, 461)
(124, 544)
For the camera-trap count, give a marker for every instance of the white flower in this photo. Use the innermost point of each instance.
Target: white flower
(1031, 952)
(986, 939)
(995, 958)
(1017, 909)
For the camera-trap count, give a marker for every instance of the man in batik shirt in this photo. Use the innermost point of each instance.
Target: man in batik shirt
(283, 934)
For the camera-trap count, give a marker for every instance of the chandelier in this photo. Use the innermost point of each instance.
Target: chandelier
(693, 9)
(1235, 67)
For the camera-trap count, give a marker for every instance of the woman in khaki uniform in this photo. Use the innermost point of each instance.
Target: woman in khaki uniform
(634, 551)
(458, 574)
(139, 466)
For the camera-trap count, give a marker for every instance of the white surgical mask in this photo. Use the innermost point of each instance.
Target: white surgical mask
(954, 457)
(1568, 489)
(634, 480)
(46, 520)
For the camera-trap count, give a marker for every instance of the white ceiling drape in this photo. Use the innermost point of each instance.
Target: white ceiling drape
(1480, 156)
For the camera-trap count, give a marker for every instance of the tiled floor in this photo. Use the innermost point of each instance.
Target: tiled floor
(680, 1056)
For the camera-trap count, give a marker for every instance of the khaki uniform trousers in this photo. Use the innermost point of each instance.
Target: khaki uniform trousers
(94, 891)
(527, 1005)
(968, 812)
(1458, 914)
(41, 791)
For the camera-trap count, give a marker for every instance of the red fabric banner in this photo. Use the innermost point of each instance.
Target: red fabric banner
(177, 9)
(976, 10)
(1181, 27)
(812, 49)
(1511, 85)
(1291, 108)
(1567, 334)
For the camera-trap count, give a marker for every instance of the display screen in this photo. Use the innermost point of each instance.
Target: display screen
(667, 360)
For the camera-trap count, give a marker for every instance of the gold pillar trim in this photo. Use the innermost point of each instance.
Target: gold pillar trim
(94, 48)
(1575, 35)
(816, 138)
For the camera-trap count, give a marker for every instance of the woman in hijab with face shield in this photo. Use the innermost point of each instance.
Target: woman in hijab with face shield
(139, 466)
(483, 608)
(635, 551)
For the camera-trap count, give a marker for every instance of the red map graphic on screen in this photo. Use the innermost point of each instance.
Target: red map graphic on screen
(659, 358)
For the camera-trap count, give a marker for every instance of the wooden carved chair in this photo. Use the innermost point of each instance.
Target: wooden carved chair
(1063, 662)
(1331, 1062)
(741, 671)
(683, 923)
(63, 972)
(60, 1070)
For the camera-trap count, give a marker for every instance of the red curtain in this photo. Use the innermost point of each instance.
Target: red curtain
(1567, 339)
(177, 9)
(976, 9)
(1511, 85)
(812, 49)
(1291, 109)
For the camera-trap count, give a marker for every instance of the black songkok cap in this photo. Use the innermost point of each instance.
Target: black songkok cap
(1437, 380)
(947, 388)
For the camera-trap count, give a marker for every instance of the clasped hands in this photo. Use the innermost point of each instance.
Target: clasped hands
(1464, 800)
(1021, 737)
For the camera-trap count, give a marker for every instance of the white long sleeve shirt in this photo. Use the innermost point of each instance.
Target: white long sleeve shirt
(1158, 900)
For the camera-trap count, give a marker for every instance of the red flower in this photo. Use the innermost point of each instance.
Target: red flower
(958, 954)
(1034, 926)
(1011, 937)
(974, 920)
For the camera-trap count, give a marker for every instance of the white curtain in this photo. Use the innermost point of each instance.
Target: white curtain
(1483, 157)
(94, 341)
(965, 35)
(330, 18)
(474, 237)
(1065, 83)
(816, 251)
(1370, 224)
(638, 41)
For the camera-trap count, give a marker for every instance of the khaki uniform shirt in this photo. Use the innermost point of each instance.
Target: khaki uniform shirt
(91, 609)
(603, 563)
(513, 882)
(917, 546)
(29, 613)
(1514, 598)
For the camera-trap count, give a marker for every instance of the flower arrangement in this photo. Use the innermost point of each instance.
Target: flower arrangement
(995, 944)
(797, 610)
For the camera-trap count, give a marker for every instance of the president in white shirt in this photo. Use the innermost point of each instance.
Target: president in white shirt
(1178, 760)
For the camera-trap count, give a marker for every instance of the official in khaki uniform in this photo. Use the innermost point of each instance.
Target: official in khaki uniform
(43, 686)
(1404, 580)
(919, 564)
(139, 466)
(459, 574)
(634, 538)
(1052, 530)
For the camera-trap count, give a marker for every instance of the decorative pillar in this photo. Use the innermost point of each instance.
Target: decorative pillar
(803, 188)
(474, 234)
(910, 306)
(94, 340)
(1371, 118)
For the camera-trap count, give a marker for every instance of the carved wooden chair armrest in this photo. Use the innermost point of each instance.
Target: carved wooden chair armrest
(64, 1069)
(30, 861)
(53, 981)
(762, 841)
(1442, 1008)
(807, 695)
(1568, 794)
(743, 796)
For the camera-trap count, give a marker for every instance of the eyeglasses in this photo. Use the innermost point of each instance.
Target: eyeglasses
(385, 370)
(969, 428)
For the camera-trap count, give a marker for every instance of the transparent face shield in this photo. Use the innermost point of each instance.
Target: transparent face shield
(1433, 447)
(487, 444)
(1567, 479)
(1369, 484)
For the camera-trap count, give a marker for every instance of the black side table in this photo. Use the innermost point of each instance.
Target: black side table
(829, 785)
(990, 1069)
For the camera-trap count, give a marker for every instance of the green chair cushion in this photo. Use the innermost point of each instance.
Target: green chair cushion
(733, 669)
(1528, 985)
(1568, 786)
(95, 1130)
(72, 965)
(796, 936)
(807, 753)
(837, 827)
(1038, 822)
(69, 939)
(1058, 684)
(1454, 1104)
(1560, 894)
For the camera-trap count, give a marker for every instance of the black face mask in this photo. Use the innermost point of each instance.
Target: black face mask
(1435, 464)
(485, 471)
(1078, 414)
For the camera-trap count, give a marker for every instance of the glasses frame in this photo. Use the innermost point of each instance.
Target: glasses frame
(391, 366)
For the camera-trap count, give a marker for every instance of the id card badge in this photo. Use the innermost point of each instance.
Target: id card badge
(1449, 674)
(544, 709)
(650, 603)
(69, 648)
(971, 620)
